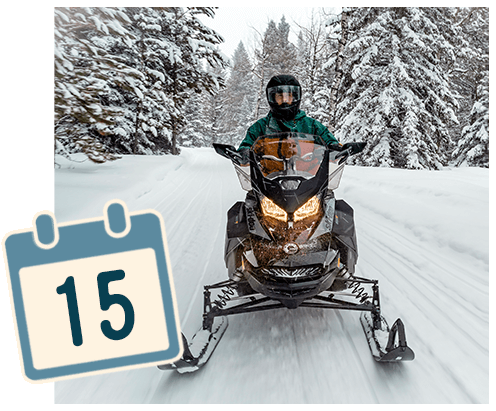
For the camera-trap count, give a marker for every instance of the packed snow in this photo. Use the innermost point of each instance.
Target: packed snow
(423, 234)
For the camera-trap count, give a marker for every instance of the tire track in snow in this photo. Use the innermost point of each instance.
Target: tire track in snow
(430, 310)
(187, 264)
(410, 241)
(401, 266)
(196, 225)
(299, 360)
(423, 284)
(213, 227)
(422, 317)
(183, 196)
(357, 354)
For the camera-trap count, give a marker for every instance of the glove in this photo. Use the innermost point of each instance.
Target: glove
(354, 148)
(336, 147)
(245, 156)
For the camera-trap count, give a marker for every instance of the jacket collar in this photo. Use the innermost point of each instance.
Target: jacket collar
(298, 116)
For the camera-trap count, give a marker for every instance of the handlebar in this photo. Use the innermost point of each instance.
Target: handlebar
(229, 152)
(345, 151)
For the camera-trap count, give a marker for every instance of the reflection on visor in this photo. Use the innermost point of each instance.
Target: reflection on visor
(293, 91)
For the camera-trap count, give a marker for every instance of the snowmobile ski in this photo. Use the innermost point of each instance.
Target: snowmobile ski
(197, 353)
(386, 345)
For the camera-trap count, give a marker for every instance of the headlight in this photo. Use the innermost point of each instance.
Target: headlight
(310, 208)
(269, 208)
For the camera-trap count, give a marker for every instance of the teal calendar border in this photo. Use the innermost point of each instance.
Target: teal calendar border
(85, 240)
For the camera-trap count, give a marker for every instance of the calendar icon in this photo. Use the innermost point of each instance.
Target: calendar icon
(93, 295)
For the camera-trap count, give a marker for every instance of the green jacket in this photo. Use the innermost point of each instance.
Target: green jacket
(301, 124)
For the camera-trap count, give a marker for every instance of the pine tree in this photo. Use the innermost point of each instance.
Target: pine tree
(470, 78)
(152, 104)
(194, 132)
(312, 52)
(196, 44)
(238, 97)
(244, 120)
(82, 69)
(339, 32)
(395, 92)
(284, 55)
(473, 147)
(123, 76)
(124, 66)
(140, 88)
(263, 69)
(274, 55)
(213, 112)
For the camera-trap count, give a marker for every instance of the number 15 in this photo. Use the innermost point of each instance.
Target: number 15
(106, 301)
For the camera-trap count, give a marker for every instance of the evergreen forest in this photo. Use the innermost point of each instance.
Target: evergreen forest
(411, 82)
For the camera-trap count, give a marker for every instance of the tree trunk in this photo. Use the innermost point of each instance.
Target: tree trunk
(137, 126)
(174, 150)
(338, 70)
(260, 92)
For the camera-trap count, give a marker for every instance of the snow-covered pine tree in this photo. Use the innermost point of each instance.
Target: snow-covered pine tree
(395, 93)
(128, 72)
(212, 112)
(172, 66)
(237, 98)
(274, 54)
(193, 133)
(312, 51)
(154, 105)
(473, 147)
(262, 69)
(244, 120)
(126, 62)
(283, 59)
(139, 89)
(195, 45)
(203, 117)
(302, 56)
(470, 78)
(338, 36)
(82, 68)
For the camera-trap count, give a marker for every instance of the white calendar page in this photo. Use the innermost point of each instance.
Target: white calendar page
(47, 314)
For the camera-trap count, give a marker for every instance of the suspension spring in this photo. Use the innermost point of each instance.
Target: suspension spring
(225, 295)
(356, 288)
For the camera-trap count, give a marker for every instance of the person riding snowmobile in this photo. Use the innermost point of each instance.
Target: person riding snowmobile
(284, 97)
(283, 94)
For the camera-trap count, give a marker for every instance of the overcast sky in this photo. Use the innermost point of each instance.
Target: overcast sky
(237, 24)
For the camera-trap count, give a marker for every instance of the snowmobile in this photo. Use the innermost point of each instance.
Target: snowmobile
(291, 244)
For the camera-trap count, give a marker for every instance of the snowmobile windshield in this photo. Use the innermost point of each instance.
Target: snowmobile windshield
(289, 154)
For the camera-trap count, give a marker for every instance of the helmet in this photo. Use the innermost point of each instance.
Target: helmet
(284, 96)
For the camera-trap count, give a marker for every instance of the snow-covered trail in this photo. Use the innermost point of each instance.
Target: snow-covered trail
(432, 263)
(424, 240)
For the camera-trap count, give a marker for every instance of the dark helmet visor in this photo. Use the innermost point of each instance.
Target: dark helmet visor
(277, 92)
